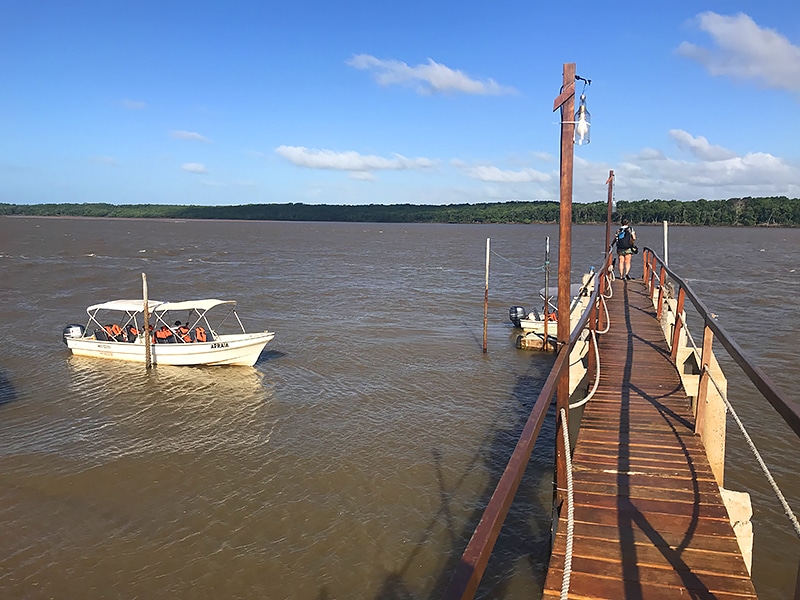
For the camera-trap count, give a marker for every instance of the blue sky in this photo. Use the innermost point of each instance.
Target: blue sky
(353, 102)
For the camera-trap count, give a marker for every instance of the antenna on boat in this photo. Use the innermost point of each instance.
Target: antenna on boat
(146, 312)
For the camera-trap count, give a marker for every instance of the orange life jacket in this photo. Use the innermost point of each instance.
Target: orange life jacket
(115, 332)
(163, 333)
(183, 332)
(199, 334)
(552, 317)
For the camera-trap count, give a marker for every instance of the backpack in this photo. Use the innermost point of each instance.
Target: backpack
(624, 241)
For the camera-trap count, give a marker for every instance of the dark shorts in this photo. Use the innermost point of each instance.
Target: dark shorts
(625, 252)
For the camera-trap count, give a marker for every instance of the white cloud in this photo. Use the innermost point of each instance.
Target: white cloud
(427, 78)
(496, 175)
(350, 161)
(362, 176)
(133, 104)
(715, 174)
(191, 136)
(106, 160)
(744, 50)
(699, 146)
(196, 168)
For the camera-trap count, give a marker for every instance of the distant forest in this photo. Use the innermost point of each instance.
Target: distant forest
(744, 212)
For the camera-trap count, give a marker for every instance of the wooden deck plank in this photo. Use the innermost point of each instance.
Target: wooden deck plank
(649, 521)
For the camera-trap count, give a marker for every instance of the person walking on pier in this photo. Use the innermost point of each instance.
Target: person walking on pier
(625, 240)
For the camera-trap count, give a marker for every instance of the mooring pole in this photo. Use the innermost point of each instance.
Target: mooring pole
(666, 244)
(545, 343)
(610, 182)
(566, 103)
(486, 298)
(146, 311)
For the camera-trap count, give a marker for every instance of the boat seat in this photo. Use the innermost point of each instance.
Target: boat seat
(101, 335)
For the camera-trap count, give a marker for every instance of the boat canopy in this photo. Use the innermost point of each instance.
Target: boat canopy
(198, 305)
(126, 305)
(159, 306)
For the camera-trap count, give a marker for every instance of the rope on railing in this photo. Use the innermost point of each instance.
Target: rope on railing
(608, 317)
(570, 510)
(609, 279)
(580, 403)
(786, 508)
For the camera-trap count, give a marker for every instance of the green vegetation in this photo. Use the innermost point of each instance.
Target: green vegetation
(774, 211)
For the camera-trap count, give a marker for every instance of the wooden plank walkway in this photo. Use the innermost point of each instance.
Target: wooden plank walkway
(649, 519)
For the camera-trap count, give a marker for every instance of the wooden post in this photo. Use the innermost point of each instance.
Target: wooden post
(566, 103)
(486, 299)
(666, 244)
(146, 311)
(702, 388)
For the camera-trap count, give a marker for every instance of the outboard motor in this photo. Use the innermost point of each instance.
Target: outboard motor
(72, 331)
(515, 313)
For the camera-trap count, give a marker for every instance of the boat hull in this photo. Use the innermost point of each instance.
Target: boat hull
(239, 349)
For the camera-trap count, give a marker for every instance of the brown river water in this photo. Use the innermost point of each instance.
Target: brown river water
(354, 459)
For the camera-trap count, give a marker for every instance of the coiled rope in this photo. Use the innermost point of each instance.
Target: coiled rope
(610, 279)
(781, 498)
(580, 403)
(570, 510)
(593, 335)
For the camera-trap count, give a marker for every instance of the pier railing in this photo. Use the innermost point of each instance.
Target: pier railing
(669, 294)
(467, 576)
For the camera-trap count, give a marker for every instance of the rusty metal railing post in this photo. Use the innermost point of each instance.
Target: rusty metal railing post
(591, 363)
(603, 286)
(661, 279)
(702, 388)
(676, 331)
(652, 278)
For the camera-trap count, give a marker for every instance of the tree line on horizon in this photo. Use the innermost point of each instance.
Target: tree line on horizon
(778, 211)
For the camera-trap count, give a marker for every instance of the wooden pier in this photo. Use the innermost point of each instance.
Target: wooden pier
(649, 519)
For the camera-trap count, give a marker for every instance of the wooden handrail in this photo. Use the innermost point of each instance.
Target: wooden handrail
(786, 408)
(467, 576)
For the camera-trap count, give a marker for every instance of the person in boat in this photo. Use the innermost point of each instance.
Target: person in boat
(181, 332)
(625, 241)
(164, 335)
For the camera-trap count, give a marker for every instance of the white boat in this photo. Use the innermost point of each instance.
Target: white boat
(540, 326)
(183, 333)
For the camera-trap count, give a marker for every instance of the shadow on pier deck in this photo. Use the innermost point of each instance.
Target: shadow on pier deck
(649, 520)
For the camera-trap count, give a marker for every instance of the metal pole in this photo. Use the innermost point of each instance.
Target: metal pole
(566, 102)
(486, 298)
(666, 244)
(146, 311)
(610, 182)
(545, 343)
